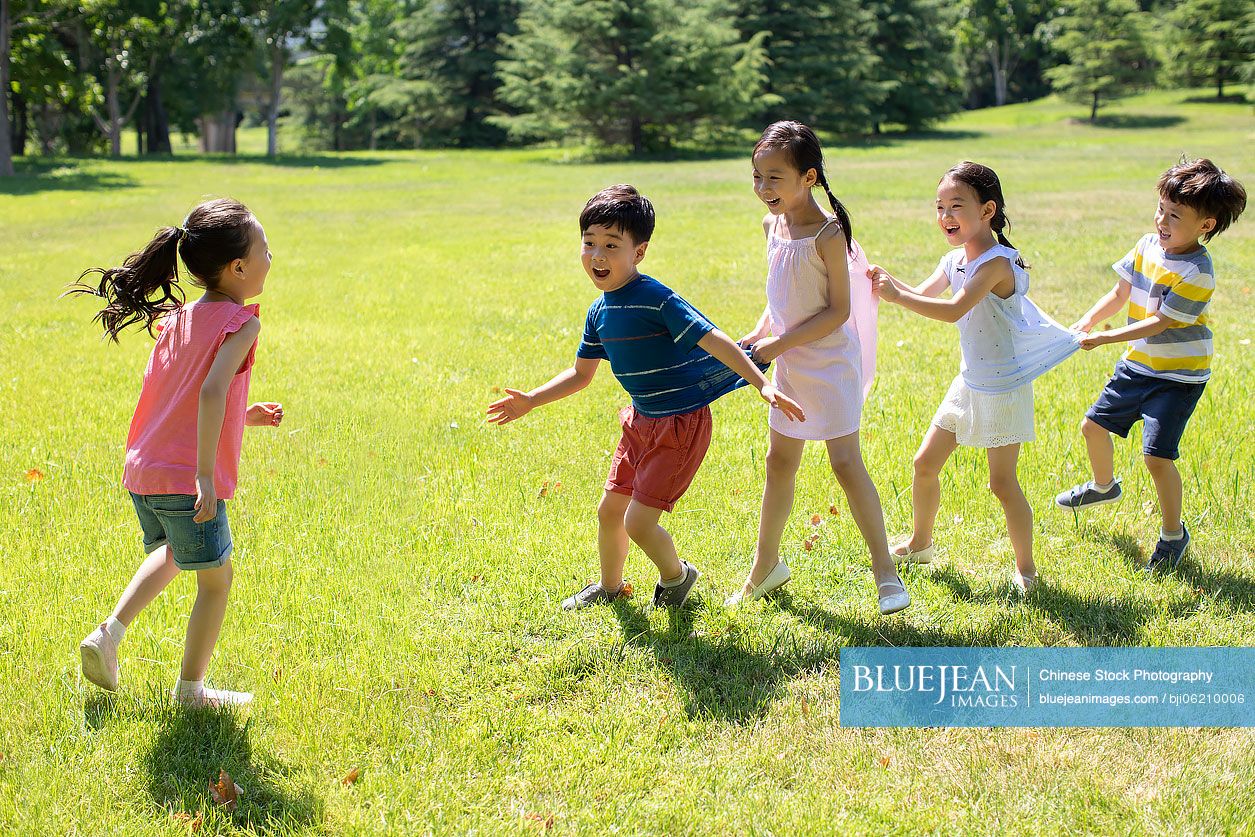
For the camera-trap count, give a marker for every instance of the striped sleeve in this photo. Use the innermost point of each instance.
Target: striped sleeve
(1126, 266)
(590, 344)
(685, 323)
(1187, 299)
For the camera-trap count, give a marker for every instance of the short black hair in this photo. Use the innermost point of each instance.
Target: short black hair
(1204, 188)
(623, 208)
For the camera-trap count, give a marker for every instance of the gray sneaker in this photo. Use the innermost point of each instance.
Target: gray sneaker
(1168, 554)
(1086, 494)
(675, 596)
(593, 594)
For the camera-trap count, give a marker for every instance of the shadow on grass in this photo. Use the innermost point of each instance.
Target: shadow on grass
(722, 678)
(740, 150)
(1236, 590)
(1231, 99)
(192, 745)
(1136, 121)
(190, 748)
(44, 175)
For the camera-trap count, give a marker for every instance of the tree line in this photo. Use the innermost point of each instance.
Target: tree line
(79, 75)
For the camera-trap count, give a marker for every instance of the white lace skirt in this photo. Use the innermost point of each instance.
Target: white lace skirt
(987, 419)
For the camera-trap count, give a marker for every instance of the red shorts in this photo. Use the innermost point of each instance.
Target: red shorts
(657, 458)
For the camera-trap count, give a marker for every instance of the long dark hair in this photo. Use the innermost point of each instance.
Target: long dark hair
(801, 146)
(984, 182)
(146, 286)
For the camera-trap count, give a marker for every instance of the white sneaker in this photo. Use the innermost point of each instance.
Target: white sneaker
(777, 578)
(100, 659)
(902, 553)
(212, 698)
(893, 602)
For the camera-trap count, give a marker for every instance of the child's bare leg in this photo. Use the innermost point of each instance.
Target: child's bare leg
(1168, 486)
(784, 457)
(212, 588)
(1101, 451)
(612, 538)
(860, 493)
(931, 457)
(1005, 485)
(642, 526)
(154, 575)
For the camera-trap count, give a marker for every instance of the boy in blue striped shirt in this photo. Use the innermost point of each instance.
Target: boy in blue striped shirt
(673, 363)
(1167, 281)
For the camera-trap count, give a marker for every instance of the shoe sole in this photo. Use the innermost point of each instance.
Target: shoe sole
(94, 667)
(1090, 504)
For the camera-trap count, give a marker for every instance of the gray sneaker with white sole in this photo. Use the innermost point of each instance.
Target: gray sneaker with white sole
(675, 596)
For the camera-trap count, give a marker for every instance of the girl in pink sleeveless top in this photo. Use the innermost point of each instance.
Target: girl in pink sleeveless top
(819, 327)
(183, 449)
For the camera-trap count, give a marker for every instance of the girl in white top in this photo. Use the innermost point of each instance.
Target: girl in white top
(1006, 341)
(808, 330)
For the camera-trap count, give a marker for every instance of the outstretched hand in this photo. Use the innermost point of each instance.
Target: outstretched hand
(264, 414)
(792, 411)
(883, 284)
(515, 405)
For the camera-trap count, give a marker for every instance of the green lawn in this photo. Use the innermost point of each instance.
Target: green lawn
(399, 566)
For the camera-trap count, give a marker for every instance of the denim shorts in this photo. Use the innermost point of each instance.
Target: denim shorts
(1164, 407)
(167, 519)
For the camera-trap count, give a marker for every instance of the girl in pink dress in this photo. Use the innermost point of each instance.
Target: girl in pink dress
(183, 449)
(819, 328)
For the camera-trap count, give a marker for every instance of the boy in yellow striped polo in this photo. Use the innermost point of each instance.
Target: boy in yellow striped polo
(1167, 281)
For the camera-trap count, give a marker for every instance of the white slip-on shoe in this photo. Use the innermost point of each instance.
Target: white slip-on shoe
(212, 698)
(777, 578)
(902, 553)
(893, 602)
(1025, 583)
(99, 652)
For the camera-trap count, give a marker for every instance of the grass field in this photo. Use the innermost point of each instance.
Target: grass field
(399, 562)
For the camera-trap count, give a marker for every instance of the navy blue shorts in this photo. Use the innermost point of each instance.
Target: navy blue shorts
(167, 519)
(1164, 407)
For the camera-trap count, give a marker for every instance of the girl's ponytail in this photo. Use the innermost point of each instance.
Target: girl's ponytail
(146, 287)
(838, 209)
(142, 290)
(802, 146)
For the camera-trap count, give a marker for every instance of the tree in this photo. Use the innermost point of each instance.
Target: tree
(643, 73)
(452, 49)
(821, 71)
(1106, 50)
(1209, 39)
(914, 74)
(1001, 32)
(6, 137)
(281, 23)
(121, 38)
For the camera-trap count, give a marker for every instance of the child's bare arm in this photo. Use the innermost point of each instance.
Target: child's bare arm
(517, 404)
(211, 412)
(724, 350)
(951, 310)
(1110, 304)
(1156, 323)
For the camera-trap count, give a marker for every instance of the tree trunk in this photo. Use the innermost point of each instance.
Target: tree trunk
(156, 123)
(217, 132)
(276, 87)
(1220, 84)
(374, 126)
(114, 128)
(1093, 111)
(636, 135)
(6, 140)
(21, 124)
(999, 70)
(139, 140)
